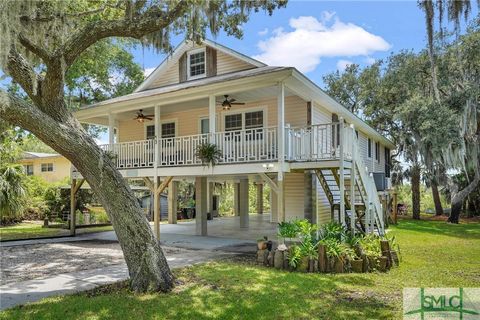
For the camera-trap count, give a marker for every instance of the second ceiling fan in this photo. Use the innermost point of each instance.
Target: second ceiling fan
(228, 103)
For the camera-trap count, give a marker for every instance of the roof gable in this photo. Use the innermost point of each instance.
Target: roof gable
(167, 72)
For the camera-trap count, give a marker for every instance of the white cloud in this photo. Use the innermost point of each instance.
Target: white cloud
(147, 71)
(312, 39)
(263, 32)
(343, 64)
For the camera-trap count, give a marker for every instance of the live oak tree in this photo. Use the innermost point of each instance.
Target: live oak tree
(40, 42)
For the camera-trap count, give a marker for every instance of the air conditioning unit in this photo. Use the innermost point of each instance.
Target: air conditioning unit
(380, 180)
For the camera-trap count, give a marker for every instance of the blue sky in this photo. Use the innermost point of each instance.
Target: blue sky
(319, 37)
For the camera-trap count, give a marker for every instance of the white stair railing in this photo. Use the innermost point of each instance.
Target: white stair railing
(373, 211)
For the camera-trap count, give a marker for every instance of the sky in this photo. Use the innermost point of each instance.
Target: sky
(319, 37)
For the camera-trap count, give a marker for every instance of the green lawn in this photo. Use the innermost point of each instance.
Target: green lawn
(433, 254)
(30, 230)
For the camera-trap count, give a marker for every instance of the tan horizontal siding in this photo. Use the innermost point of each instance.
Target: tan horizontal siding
(227, 63)
(324, 211)
(170, 76)
(294, 196)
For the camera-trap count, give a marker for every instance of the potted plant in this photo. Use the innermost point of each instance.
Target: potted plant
(262, 243)
(208, 153)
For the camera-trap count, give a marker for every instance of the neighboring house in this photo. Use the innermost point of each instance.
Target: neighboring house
(50, 166)
(272, 124)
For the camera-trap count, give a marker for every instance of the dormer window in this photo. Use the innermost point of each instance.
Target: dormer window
(196, 64)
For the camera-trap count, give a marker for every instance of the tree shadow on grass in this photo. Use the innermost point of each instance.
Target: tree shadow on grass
(226, 291)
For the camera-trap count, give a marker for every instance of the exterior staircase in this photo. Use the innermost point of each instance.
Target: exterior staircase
(366, 210)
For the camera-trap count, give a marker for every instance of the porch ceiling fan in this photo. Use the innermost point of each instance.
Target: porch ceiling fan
(142, 117)
(228, 103)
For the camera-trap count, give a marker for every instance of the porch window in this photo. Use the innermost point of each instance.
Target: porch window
(204, 125)
(253, 120)
(47, 167)
(233, 122)
(196, 64)
(151, 132)
(167, 130)
(28, 169)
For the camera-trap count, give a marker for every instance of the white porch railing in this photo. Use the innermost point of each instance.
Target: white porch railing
(312, 143)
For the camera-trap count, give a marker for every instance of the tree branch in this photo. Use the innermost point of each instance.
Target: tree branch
(38, 50)
(137, 27)
(23, 73)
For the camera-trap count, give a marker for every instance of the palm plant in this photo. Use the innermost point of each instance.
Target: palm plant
(208, 153)
(12, 191)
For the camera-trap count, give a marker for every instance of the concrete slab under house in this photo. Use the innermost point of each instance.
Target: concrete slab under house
(272, 126)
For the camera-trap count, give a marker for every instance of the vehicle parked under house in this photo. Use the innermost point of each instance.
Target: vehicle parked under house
(272, 125)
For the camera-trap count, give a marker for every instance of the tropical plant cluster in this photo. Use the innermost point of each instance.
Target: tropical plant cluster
(332, 248)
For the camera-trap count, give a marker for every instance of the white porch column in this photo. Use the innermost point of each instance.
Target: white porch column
(342, 171)
(156, 179)
(210, 199)
(243, 203)
(111, 129)
(281, 151)
(259, 187)
(172, 202)
(211, 116)
(201, 205)
(156, 206)
(273, 206)
(353, 181)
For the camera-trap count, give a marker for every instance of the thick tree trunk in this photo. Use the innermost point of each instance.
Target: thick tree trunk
(148, 268)
(436, 199)
(415, 180)
(459, 197)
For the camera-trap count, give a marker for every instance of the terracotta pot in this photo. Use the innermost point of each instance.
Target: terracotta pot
(357, 265)
(383, 262)
(262, 245)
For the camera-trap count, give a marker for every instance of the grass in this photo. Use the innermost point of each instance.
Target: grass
(434, 254)
(30, 230)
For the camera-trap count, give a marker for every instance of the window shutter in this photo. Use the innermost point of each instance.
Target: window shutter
(211, 59)
(182, 68)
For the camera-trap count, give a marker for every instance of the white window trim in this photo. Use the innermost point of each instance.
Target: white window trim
(47, 163)
(146, 124)
(243, 111)
(206, 117)
(198, 76)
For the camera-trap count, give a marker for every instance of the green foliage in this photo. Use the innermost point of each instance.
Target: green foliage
(208, 153)
(287, 230)
(12, 192)
(294, 256)
(332, 230)
(370, 245)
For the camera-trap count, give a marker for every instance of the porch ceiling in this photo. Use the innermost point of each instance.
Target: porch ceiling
(246, 96)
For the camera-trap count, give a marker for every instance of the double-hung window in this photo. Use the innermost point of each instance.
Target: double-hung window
(28, 169)
(248, 121)
(196, 67)
(167, 130)
(377, 151)
(47, 167)
(369, 147)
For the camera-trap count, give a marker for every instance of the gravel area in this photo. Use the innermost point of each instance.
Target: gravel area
(27, 262)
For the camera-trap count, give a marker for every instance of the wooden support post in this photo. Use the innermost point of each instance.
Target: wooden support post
(353, 181)
(172, 202)
(201, 205)
(111, 129)
(280, 198)
(73, 209)
(259, 187)
(243, 203)
(273, 206)
(156, 209)
(210, 199)
(395, 213)
(342, 172)
(308, 196)
(211, 117)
